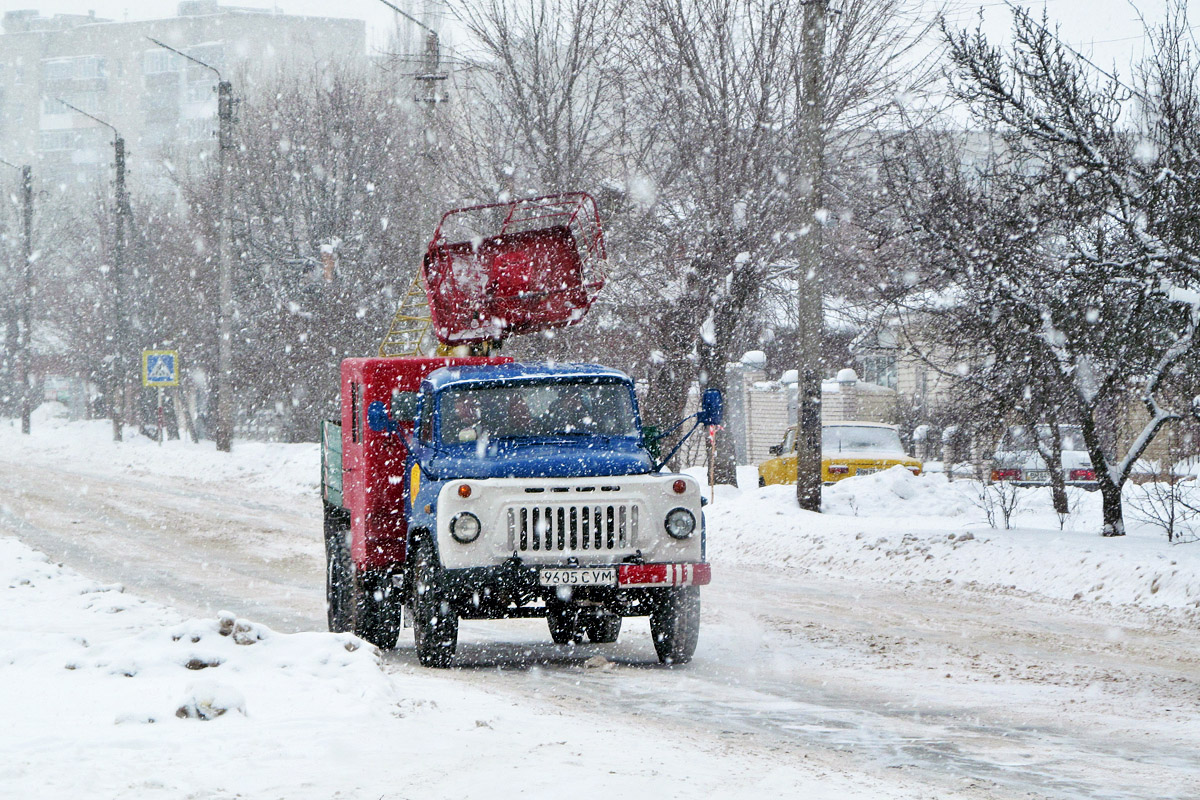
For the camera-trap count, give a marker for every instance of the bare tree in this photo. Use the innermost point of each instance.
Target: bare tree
(333, 199)
(681, 116)
(73, 304)
(1065, 258)
(541, 110)
(721, 85)
(10, 256)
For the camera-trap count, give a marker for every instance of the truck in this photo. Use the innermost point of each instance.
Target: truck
(462, 484)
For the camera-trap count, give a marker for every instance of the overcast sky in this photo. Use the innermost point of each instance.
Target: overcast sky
(1108, 30)
(378, 16)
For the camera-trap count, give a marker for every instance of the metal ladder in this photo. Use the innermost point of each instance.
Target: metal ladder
(411, 324)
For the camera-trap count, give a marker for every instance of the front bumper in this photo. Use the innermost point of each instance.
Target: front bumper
(511, 589)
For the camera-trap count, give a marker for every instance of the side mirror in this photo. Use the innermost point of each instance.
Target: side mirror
(711, 408)
(404, 406)
(377, 417)
(775, 449)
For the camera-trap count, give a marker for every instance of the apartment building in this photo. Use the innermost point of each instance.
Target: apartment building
(163, 105)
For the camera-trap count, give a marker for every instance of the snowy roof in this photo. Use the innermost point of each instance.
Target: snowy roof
(834, 387)
(854, 424)
(521, 371)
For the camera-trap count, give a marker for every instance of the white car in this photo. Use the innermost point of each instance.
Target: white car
(1017, 458)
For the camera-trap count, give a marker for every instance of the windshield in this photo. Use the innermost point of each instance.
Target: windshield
(542, 409)
(856, 439)
(1017, 437)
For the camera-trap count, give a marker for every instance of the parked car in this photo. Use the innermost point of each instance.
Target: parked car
(847, 449)
(1018, 459)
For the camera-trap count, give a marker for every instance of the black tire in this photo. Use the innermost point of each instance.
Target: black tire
(603, 628)
(564, 622)
(761, 481)
(376, 608)
(339, 596)
(435, 623)
(675, 624)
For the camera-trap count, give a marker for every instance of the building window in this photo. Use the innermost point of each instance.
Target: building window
(355, 420)
(89, 102)
(156, 62)
(57, 140)
(89, 67)
(879, 369)
(60, 69)
(79, 68)
(200, 130)
(211, 53)
(201, 92)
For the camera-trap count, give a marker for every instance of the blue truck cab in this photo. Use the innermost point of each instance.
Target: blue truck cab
(500, 490)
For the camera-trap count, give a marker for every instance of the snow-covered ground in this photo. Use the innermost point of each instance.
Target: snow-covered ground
(895, 646)
(894, 526)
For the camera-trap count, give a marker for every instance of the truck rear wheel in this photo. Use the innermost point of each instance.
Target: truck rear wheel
(376, 608)
(675, 624)
(339, 599)
(435, 623)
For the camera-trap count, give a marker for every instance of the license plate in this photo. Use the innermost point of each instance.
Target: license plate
(1039, 475)
(866, 470)
(578, 576)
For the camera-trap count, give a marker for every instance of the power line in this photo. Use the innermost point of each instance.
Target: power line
(1078, 54)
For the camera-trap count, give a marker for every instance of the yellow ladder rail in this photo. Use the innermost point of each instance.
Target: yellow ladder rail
(411, 324)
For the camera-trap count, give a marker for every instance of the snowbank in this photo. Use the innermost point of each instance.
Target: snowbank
(91, 673)
(109, 696)
(293, 468)
(894, 526)
(891, 526)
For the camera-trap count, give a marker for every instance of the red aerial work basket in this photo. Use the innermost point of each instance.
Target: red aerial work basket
(516, 267)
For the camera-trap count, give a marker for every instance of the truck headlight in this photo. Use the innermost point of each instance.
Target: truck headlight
(680, 523)
(465, 527)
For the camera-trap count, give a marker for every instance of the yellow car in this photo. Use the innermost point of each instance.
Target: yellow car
(847, 448)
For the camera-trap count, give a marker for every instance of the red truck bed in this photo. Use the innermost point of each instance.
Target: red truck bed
(374, 488)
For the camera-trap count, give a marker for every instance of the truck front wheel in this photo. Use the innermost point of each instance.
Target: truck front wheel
(675, 623)
(339, 599)
(435, 623)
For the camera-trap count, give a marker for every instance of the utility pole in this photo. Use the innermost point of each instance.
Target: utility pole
(431, 74)
(24, 354)
(428, 96)
(26, 299)
(224, 432)
(120, 350)
(224, 389)
(810, 271)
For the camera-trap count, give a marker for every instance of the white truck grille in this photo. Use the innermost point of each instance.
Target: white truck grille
(567, 528)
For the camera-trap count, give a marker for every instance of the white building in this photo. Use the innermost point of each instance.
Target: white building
(163, 106)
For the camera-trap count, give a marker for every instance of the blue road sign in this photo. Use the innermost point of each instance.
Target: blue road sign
(160, 368)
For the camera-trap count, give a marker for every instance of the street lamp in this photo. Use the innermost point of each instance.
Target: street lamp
(224, 431)
(120, 346)
(24, 355)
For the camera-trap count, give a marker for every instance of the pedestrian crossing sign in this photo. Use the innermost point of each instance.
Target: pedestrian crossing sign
(160, 368)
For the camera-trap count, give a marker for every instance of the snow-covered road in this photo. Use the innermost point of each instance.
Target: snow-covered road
(837, 674)
(198, 546)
